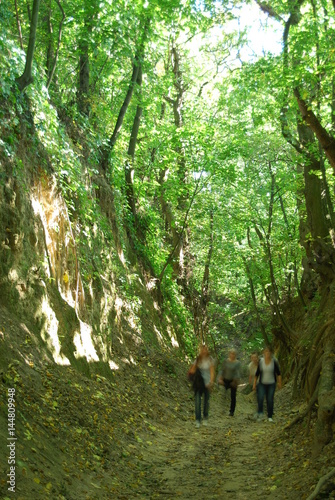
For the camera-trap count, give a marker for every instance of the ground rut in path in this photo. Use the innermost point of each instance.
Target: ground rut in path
(226, 459)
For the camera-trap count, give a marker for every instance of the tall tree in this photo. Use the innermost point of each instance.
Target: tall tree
(26, 78)
(135, 78)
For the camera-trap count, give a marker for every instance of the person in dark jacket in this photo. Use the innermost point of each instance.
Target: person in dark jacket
(229, 376)
(269, 375)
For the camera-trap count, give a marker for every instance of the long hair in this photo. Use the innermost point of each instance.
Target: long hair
(203, 352)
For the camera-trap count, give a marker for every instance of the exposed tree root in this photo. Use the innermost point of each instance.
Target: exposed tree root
(326, 399)
(302, 415)
(316, 367)
(314, 361)
(324, 479)
(313, 379)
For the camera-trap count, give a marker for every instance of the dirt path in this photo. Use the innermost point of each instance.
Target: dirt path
(230, 458)
(133, 436)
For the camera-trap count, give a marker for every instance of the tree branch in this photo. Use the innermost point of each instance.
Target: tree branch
(170, 257)
(326, 141)
(136, 67)
(58, 43)
(265, 7)
(26, 78)
(18, 25)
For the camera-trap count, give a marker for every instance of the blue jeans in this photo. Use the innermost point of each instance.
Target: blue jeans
(267, 391)
(198, 395)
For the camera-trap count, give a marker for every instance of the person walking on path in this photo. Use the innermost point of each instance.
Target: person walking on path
(229, 376)
(203, 373)
(252, 367)
(269, 375)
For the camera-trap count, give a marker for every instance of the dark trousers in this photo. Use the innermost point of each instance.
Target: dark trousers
(233, 391)
(198, 395)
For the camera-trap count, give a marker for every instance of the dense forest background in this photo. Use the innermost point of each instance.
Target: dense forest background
(162, 184)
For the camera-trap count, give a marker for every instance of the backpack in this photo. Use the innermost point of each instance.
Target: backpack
(198, 383)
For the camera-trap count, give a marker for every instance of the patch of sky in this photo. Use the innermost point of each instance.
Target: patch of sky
(262, 33)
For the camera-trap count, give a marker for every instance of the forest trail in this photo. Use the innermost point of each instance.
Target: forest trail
(133, 436)
(233, 458)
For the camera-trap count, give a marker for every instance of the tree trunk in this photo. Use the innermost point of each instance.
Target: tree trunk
(326, 141)
(178, 242)
(52, 68)
(134, 228)
(105, 154)
(273, 298)
(177, 103)
(129, 167)
(315, 235)
(204, 297)
(50, 48)
(26, 78)
(84, 74)
(318, 246)
(254, 301)
(326, 396)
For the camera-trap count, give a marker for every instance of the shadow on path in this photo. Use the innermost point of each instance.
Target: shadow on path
(231, 458)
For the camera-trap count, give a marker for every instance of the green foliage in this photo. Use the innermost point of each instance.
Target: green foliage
(210, 142)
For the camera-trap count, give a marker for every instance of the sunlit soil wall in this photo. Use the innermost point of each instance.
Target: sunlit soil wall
(41, 282)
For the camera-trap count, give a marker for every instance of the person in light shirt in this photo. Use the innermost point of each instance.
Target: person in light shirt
(252, 367)
(204, 372)
(269, 375)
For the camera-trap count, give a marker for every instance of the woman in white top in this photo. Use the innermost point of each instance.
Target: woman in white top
(269, 375)
(203, 368)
